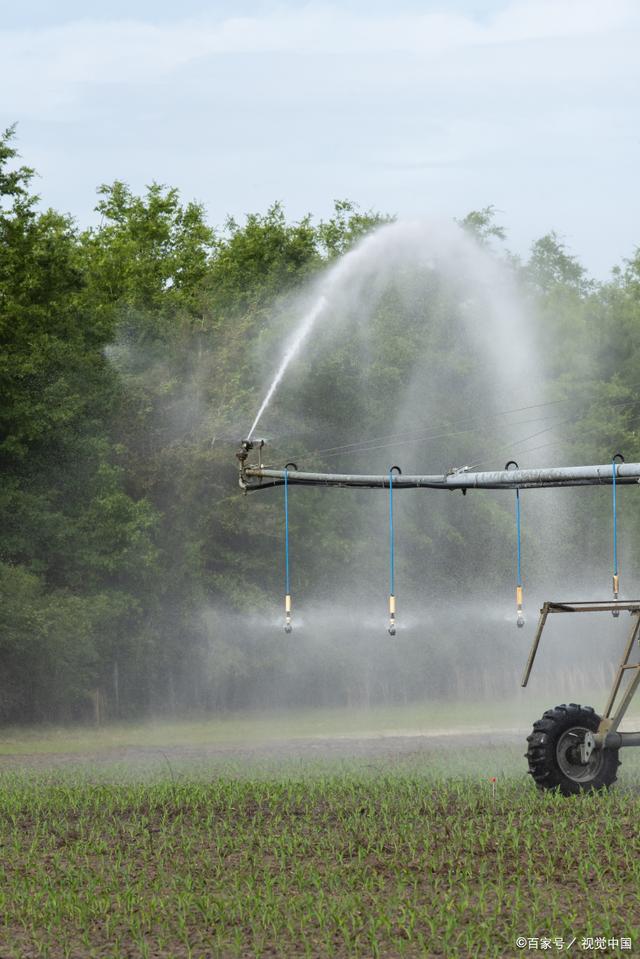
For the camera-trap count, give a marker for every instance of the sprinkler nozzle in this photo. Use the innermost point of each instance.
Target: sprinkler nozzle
(288, 628)
(519, 613)
(392, 629)
(616, 593)
(287, 614)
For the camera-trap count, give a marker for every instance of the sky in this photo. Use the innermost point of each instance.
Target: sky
(418, 109)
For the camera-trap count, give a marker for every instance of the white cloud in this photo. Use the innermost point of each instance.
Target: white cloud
(52, 65)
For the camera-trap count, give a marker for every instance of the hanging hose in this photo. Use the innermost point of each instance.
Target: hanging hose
(392, 587)
(519, 612)
(287, 597)
(616, 579)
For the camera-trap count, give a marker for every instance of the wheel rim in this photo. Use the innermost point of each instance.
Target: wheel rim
(568, 755)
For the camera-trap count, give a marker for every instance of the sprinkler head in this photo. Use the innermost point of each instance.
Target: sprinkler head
(392, 629)
(615, 613)
(288, 628)
(520, 621)
(248, 445)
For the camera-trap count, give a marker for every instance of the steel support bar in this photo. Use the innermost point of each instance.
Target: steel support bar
(614, 721)
(596, 606)
(593, 606)
(624, 665)
(252, 477)
(544, 612)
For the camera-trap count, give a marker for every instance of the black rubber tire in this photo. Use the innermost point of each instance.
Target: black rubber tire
(549, 757)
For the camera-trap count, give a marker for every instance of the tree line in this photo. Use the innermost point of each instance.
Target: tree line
(133, 358)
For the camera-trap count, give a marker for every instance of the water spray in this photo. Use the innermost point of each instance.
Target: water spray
(291, 351)
(519, 613)
(617, 458)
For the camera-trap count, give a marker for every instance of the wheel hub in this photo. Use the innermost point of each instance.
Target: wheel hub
(575, 758)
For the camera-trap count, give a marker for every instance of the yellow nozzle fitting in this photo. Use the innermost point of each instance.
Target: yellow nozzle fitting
(287, 614)
(392, 615)
(616, 593)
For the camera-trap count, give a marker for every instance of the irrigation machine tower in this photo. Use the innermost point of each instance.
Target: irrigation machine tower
(571, 748)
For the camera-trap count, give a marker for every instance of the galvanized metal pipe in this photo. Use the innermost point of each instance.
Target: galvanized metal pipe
(463, 479)
(618, 740)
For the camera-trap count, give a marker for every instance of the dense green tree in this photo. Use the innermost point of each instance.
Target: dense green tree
(346, 227)
(69, 528)
(150, 253)
(550, 266)
(482, 226)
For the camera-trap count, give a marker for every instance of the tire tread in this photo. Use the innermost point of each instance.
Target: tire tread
(541, 751)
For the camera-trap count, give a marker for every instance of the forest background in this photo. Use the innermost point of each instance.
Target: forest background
(135, 579)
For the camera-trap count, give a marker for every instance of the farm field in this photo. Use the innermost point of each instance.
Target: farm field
(261, 728)
(343, 846)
